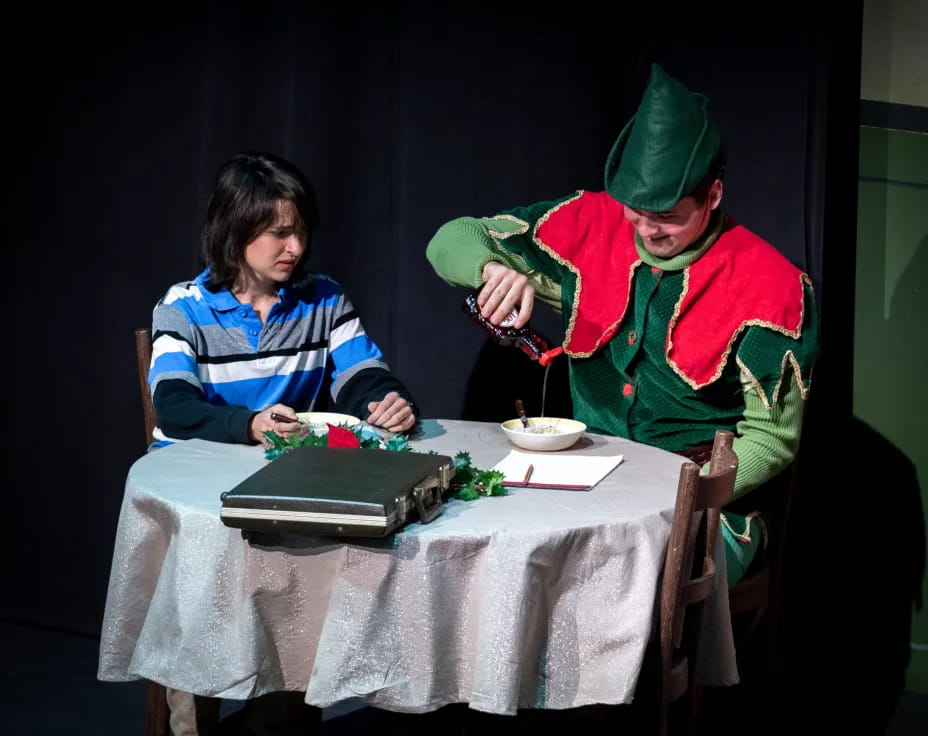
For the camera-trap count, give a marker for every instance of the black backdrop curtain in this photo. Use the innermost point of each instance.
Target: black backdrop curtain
(404, 115)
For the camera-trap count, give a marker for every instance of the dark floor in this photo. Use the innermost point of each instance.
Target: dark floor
(49, 687)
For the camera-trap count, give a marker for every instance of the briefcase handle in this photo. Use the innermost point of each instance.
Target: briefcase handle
(427, 495)
(428, 503)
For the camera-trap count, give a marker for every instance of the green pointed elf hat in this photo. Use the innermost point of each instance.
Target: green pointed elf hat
(665, 150)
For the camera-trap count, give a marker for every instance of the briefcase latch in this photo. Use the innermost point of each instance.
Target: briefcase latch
(427, 494)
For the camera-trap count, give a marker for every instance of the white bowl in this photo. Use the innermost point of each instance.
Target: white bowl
(317, 420)
(560, 434)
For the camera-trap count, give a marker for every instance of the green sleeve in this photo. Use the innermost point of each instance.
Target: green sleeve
(462, 247)
(767, 439)
(776, 375)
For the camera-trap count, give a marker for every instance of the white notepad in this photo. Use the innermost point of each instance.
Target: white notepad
(553, 470)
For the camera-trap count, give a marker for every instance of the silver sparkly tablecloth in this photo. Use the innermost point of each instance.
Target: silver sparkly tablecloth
(542, 598)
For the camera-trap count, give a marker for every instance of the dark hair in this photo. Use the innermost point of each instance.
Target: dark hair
(243, 204)
(716, 171)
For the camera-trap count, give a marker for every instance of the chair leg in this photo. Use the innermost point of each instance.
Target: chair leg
(156, 711)
(679, 717)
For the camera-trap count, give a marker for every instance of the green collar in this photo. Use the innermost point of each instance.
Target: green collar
(691, 253)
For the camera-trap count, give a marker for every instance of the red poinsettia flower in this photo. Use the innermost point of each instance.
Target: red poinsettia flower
(341, 437)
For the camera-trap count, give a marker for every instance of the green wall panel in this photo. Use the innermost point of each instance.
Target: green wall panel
(891, 316)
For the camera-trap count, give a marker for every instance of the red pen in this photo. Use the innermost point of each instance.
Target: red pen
(528, 473)
(553, 486)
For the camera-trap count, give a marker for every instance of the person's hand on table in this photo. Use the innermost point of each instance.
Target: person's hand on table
(503, 291)
(263, 422)
(393, 413)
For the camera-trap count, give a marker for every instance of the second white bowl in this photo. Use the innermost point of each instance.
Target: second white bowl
(544, 434)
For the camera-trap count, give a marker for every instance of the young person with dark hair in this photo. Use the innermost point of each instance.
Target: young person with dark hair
(255, 333)
(678, 320)
(256, 336)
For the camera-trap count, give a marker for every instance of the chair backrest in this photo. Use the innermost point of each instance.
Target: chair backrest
(157, 713)
(689, 569)
(143, 361)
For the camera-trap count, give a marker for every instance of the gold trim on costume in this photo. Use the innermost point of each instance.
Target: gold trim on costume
(723, 361)
(566, 264)
(575, 302)
(497, 235)
(788, 357)
(746, 535)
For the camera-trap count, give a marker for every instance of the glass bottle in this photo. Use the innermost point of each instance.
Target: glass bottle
(524, 338)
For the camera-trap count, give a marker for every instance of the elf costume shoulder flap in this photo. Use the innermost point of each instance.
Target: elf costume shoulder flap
(740, 281)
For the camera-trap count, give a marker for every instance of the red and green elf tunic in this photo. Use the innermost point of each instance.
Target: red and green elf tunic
(662, 351)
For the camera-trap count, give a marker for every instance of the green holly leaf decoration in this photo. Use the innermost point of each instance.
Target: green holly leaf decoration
(397, 443)
(466, 489)
(279, 444)
(467, 493)
(472, 483)
(493, 482)
(315, 440)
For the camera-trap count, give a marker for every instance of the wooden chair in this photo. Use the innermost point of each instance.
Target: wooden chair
(143, 361)
(156, 702)
(688, 579)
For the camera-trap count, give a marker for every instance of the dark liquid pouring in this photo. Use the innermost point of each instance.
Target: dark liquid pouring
(544, 388)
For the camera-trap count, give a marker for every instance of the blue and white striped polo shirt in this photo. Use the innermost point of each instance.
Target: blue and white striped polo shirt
(220, 346)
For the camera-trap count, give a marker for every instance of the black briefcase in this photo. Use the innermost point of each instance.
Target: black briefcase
(340, 491)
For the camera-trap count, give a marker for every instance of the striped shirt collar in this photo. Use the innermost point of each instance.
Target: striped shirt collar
(224, 301)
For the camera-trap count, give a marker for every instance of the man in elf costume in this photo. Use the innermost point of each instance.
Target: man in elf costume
(678, 320)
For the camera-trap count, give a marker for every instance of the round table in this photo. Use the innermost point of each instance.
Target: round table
(541, 598)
